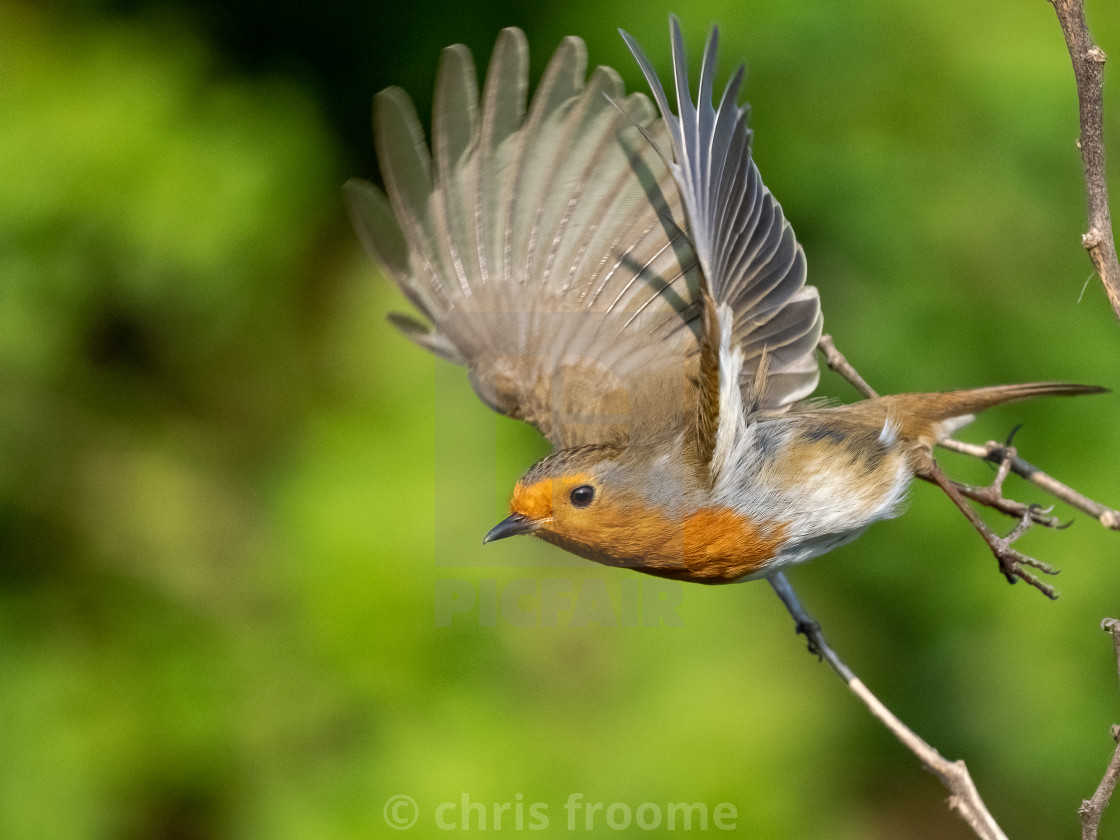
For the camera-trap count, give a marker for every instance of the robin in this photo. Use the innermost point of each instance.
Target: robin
(620, 278)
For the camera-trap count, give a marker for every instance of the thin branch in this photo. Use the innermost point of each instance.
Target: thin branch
(1011, 562)
(809, 627)
(992, 452)
(1088, 69)
(838, 362)
(1092, 809)
(964, 799)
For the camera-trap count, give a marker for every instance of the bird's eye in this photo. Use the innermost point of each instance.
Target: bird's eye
(583, 495)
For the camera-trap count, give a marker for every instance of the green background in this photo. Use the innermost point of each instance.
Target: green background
(236, 508)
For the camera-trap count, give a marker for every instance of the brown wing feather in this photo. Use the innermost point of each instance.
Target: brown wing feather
(544, 245)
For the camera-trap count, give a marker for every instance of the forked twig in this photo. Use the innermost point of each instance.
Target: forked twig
(1092, 809)
(1088, 64)
(963, 795)
(964, 798)
(1088, 69)
(1011, 562)
(994, 452)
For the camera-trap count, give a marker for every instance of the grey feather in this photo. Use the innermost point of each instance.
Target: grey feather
(426, 337)
(454, 123)
(748, 254)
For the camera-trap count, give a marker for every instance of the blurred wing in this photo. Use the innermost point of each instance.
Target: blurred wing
(750, 260)
(543, 246)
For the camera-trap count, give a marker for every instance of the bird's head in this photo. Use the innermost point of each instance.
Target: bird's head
(640, 509)
(568, 496)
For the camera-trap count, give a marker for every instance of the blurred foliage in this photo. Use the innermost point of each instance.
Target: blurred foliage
(233, 502)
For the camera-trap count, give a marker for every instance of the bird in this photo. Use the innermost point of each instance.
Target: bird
(618, 276)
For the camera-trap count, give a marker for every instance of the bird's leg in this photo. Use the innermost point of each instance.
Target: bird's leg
(1011, 562)
(809, 627)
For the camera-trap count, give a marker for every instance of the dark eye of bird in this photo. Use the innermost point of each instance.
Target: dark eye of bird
(583, 495)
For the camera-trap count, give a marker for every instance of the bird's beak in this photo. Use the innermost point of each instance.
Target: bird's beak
(511, 526)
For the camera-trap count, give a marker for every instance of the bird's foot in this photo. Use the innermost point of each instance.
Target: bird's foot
(811, 630)
(1012, 563)
(1003, 455)
(991, 496)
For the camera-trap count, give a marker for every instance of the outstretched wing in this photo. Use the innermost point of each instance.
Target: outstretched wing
(547, 246)
(762, 321)
(543, 246)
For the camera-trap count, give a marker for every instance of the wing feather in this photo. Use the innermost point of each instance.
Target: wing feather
(454, 123)
(543, 241)
(503, 108)
(749, 257)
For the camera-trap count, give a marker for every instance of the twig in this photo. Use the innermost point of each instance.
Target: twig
(809, 627)
(1092, 809)
(838, 362)
(993, 452)
(1088, 69)
(1011, 562)
(963, 796)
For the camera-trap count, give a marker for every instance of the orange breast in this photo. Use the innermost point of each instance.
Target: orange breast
(721, 546)
(713, 545)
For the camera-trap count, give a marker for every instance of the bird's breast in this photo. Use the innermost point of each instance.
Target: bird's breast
(709, 545)
(721, 545)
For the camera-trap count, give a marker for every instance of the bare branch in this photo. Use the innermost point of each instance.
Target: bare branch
(963, 795)
(1088, 69)
(1092, 809)
(836, 361)
(1088, 64)
(1011, 562)
(994, 452)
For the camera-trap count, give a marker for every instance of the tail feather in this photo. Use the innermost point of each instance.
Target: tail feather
(931, 417)
(951, 404)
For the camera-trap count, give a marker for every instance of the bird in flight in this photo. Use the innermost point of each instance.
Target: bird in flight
(617, 275)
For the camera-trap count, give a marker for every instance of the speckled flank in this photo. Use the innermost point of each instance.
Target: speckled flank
(839, 452)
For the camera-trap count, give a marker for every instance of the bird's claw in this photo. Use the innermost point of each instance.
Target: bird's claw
(1012, 562)
(992, 496)
(1003, 455)
(811, 630)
